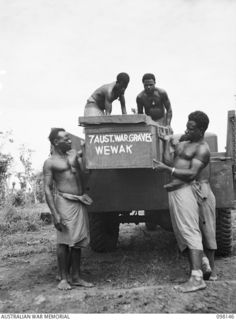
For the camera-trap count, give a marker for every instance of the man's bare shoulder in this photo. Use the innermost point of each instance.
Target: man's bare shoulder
(141, 95)
(47, 166)
(203, 152)
(204, 147)
(181, 143)
(105, 88)
(72, 153)
(54, 158)
(49, 161)
(160, 91)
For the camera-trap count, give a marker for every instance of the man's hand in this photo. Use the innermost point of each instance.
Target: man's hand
(165, 137)
(159, 166)
(59, 225)
(170, 130)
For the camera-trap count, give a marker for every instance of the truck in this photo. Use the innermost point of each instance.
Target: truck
(118, 152)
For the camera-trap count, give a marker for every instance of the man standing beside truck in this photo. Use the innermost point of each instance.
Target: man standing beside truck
(191, 201)
(67, 206)
(154, 101)
(100, 102)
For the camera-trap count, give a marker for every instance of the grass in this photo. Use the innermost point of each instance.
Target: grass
(21, 219)
(23, 233)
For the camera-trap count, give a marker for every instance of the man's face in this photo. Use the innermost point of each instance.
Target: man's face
(149, 86)
(192, 133)
(63, 142)
(121, 87)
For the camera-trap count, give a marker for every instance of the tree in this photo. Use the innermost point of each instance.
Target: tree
(5, 163)
(39, 187)
(27, 176)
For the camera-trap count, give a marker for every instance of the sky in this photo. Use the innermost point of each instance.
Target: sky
(55, 53)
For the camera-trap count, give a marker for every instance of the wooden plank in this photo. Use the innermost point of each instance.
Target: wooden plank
(116, 119)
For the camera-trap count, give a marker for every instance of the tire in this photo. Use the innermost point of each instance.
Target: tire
(151, 224)
(104, 231)
(224, 235)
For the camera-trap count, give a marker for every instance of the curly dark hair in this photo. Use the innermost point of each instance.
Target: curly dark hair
(54, 134)
(122, 78)
(148, 76)
(201, 119)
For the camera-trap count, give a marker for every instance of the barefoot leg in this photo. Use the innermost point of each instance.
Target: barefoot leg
(82, 283)
(211, 257)
(194, 283)
(64, 285)
(59, 276)
(62, 256)
(195, 259)
(75, 263)
(75, 266)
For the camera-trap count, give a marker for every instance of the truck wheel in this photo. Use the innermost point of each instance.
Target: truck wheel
(223, 232)
(150, 223)
(104, 231)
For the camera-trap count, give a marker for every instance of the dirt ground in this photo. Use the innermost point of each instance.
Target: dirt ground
(137, 278)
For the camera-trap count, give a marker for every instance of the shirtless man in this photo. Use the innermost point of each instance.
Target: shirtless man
(67, 206)
(154, 101)
(100, 102)
(191, 201)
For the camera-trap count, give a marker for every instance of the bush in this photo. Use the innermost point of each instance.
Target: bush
(21, 219)
(18, 198)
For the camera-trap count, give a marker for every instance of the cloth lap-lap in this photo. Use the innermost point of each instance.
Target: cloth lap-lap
(74, 216)
(184, 214)
(192, 209)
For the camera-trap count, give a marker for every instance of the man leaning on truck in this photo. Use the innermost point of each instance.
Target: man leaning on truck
(154, 101)
(100, 102)
(68, 206)
(191, 201)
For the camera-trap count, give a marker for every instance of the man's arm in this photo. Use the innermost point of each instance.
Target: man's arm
(186, 175)
(168, 150)
(108, 106)
(81, 158)
(168, 108)
(48, 189)
(122, 104)
(139, 105)
(197, 164)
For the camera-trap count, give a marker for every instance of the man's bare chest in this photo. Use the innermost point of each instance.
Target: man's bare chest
(187, 150)
(67, 163)
(153, 101)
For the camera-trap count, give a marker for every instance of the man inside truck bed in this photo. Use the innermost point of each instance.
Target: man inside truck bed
(100, 102)
(67, 206)
(154, 101)
(191, 201)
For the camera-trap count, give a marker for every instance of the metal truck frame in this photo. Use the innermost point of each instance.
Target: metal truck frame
(126, 195)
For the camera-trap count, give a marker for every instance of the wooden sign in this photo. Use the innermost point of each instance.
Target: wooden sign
(131, 146)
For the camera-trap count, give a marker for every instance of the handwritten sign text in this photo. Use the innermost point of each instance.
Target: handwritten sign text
(117, 143)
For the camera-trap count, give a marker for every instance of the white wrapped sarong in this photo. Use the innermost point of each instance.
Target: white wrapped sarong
(75, 217)
(192, 211)
(207, 213)
(184, 214)
(92, 109)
